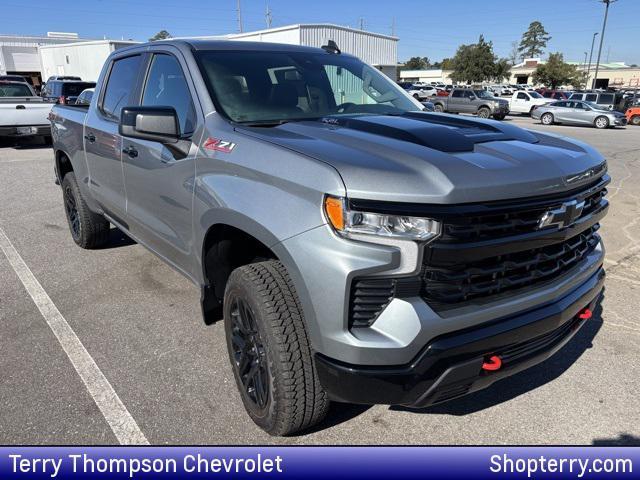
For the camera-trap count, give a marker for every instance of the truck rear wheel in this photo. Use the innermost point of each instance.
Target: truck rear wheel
(635, 120)
(88, 229)
(269, 350)
(438, 108)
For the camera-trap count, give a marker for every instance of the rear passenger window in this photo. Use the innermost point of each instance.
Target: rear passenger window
(522, 96)
(605, 99)
(121, 82)
(591, 97)
(167, 87)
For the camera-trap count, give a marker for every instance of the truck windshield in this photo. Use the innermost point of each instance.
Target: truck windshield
(483, 94)
(14, 90)
(284, 86)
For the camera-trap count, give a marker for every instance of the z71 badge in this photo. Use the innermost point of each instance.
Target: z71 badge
(219, 145)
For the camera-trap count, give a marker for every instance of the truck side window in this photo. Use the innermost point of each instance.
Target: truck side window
(166, 86)
(121, 82)
(523, 96)
(457, 94)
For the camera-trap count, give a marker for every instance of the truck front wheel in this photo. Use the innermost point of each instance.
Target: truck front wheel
(269, 350)
(484, 112)
(88, 229)
(438, 108)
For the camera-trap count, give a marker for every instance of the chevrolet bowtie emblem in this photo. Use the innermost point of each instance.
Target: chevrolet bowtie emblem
(563, 216)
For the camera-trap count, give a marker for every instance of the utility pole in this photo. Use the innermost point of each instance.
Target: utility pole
(239, 14)
(268, 17)
(584, 69)
(604, 25)
(593, 41)
(361, 23)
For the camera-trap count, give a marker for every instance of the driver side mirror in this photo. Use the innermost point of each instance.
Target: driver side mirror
(158, 124)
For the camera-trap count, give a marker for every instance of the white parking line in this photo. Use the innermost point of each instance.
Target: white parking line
(115, 413)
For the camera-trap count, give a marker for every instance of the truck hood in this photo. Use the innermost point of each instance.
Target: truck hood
(438, 158)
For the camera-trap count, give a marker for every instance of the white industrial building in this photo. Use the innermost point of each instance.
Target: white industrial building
(81, 59)
(376, 49)
(19, 54)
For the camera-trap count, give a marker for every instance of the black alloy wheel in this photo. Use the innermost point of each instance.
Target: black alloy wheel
(249, 354)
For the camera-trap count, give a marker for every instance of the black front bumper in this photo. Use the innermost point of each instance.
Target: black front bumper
(451, 365)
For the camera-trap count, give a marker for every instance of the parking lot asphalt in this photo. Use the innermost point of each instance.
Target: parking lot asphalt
(140, 322)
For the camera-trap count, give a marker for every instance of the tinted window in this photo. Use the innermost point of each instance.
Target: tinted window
(73, 89)
(605, 99)
(457, 93)
(560, 104)
(558, 96)
(167, 87)
(547, 94)
(591, 97)
(14, 90)
(576, 96)
(522, 96)
(121, 83)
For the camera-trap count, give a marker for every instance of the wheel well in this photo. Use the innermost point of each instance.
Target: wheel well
(225, 249)
(63, 165)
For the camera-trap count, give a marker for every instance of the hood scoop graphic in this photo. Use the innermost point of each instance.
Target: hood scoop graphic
(437, 131)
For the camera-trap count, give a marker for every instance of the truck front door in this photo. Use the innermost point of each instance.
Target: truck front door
(103, 144)
(160, 182)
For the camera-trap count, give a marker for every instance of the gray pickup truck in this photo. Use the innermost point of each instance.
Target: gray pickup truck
(476, 101)
(358, 249)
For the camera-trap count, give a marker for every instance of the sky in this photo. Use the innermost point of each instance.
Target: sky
(426, 28)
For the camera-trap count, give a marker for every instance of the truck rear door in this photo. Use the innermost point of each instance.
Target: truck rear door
(103, 144)
(159, 182)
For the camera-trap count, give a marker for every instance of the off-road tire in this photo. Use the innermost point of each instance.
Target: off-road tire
(296, 400)
(484, 112)
(601, 122)
(546, 119)
(88, 229)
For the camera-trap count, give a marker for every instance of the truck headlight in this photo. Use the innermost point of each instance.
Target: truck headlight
(350, 223)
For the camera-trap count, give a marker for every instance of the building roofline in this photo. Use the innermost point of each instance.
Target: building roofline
(91, 42)
(310, 25)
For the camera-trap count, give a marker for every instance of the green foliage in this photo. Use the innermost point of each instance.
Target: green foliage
(416, 63)
(534, 41)
(556, 72)
(161, 35)
(477, 63)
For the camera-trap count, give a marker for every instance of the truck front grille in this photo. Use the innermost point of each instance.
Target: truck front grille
(494, 275)
(489, 250)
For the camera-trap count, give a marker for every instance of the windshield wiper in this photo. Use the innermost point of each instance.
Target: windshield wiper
(263, 123)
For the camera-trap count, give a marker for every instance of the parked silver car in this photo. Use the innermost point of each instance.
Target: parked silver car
(578, 113)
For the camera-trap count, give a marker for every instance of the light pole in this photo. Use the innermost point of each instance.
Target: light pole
(593, 41)
(584, 69)
(604, 25)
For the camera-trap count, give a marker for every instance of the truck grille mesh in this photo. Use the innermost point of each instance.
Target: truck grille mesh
(494, 275)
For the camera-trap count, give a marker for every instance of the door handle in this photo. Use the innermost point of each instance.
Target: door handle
(20, 107)
(131, 151)
(90, 137)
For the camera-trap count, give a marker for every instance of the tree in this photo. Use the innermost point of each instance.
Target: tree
(556, 72)
(417, 63)
(161, 35)
(534, 41)
(502, 70)
(474, 63)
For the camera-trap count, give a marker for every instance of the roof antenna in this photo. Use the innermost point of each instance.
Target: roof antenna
(331, 47)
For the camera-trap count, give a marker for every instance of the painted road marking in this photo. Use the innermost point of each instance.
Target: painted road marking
(115, 413)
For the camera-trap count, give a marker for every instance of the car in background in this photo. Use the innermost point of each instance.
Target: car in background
(605, 99)
(633, 115)
(22, 112)
(64, 91)
(63, 77)
(476, 101)
(13, 78)
(420, 93)
(526, 102)
(576, 112)
(500, 90)
(85, 97)
(554, 94)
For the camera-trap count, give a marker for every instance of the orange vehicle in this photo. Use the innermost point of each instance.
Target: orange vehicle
(633, 115)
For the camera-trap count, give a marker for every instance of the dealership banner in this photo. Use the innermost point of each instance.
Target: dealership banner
(320, 462)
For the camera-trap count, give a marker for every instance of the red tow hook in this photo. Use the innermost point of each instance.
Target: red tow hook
(492, 363)
(585, 314)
